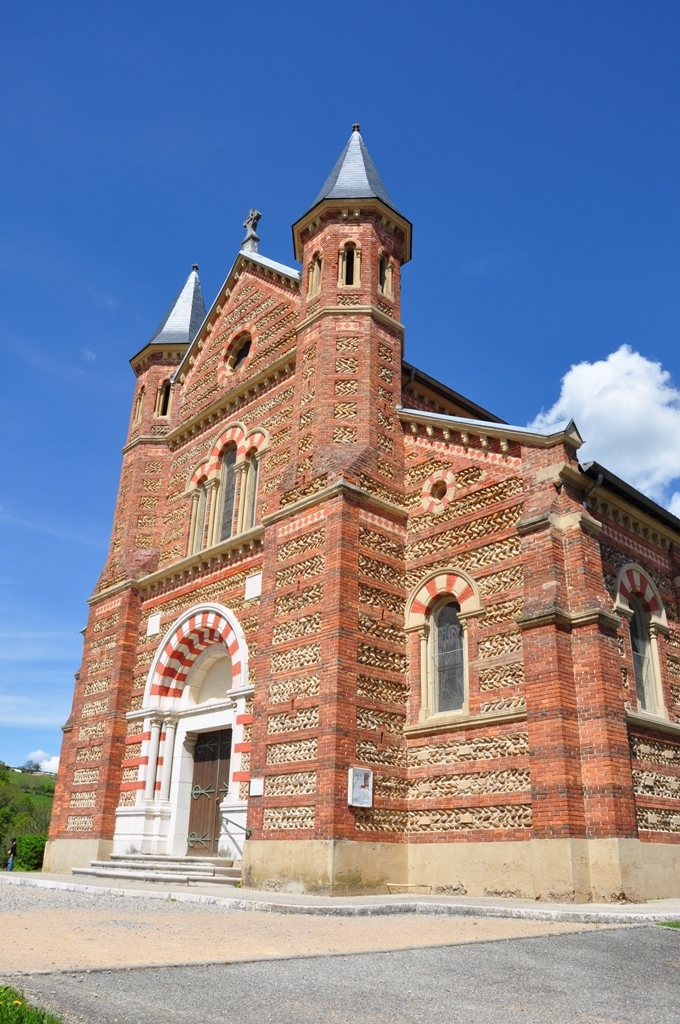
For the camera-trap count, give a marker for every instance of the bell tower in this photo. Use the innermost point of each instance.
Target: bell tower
(352, 244)
(343, 482)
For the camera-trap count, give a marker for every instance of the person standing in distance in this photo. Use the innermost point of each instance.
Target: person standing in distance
(12, 854)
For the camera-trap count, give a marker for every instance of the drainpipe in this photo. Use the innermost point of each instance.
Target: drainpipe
(591, 490)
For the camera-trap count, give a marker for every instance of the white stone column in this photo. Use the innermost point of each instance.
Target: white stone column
(423, 634)
(168, 749)
(241, 472)
(212, 512)
(192, 528)
(660, 708)
(152, 764)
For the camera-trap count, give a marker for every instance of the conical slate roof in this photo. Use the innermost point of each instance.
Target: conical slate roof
(354, 175)
(186, 314)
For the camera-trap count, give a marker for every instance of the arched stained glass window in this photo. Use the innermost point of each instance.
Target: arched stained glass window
(448, 659)
(228, 490)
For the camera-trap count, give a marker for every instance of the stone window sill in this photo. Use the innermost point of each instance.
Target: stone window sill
(649, 721)
(451, 722)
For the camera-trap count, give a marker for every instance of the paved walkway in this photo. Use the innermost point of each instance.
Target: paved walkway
(360, 906)
(606, 976)
(59, 929)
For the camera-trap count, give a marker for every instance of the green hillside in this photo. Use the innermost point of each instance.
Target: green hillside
(25, 807)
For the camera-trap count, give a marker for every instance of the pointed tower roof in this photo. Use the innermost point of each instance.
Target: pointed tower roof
(180, 324)
(355, 175)
(353, 179)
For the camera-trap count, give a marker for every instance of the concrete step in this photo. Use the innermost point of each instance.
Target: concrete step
(144, 858)
(189, 878)
(159, 865)
(146, 867)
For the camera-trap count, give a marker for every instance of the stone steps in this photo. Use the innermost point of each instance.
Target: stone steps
(177, 870)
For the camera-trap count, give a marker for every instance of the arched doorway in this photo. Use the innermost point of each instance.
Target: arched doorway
(189, 797)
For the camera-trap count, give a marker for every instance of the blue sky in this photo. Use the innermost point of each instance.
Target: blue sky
(534, 146)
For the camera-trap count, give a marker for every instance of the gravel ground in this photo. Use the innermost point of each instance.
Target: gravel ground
(55, 929)
(617, 976)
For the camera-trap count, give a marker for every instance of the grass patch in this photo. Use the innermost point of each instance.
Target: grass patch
(670, 924)
(15, 1010)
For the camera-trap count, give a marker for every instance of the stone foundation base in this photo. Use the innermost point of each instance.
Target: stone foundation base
(565, 870)
(63, 854)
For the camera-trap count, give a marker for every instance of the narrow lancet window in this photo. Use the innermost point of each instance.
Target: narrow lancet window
(139, 404)
(382, 272)
(315, 275)
(349, 265)
(164, 404)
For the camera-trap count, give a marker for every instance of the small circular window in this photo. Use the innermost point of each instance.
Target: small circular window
(437, 492)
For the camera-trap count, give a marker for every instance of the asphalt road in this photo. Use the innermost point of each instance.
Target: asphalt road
(599, 977)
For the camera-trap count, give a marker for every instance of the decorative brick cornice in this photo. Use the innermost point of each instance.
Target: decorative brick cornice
(546, 519)
(373, 311)
(103, 595)
(208, 558)
(157, 353)
(556, 616)
(146, 439)
(340, 486)
(503, 432)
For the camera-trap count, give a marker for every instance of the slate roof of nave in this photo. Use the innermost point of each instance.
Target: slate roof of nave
(185, 315)
(354, 176)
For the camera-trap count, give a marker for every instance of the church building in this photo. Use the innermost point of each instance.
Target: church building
(355, 631)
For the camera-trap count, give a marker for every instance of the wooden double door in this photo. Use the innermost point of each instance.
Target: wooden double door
(209, 787)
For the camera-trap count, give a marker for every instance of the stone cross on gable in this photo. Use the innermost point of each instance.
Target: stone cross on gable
(251, 241)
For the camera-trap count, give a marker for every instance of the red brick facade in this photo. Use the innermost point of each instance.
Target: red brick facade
(378, 490)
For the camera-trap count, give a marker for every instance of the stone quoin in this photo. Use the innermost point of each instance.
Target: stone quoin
(321, 560)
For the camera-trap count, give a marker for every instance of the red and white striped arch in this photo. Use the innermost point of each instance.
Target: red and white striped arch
(235, 434)
(444, 582)
(255, 440)
(633, 580)
(201, 627)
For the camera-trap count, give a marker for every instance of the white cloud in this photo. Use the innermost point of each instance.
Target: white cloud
(47, 763)
(628, 411)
